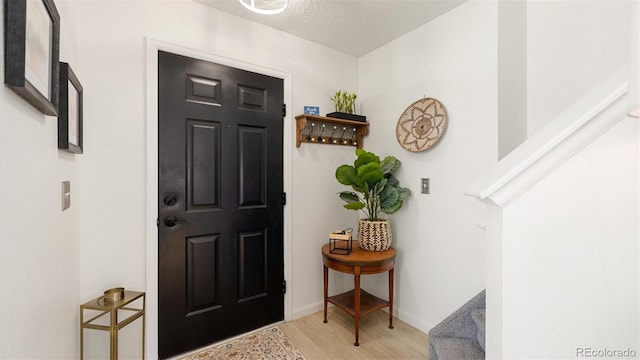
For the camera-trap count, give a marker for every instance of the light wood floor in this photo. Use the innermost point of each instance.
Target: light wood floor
(334, 340)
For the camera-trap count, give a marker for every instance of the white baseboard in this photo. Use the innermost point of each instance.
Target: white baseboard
(413, 320)
(307, 310)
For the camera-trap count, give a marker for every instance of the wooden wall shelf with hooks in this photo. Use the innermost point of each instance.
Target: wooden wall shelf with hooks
(331, 131)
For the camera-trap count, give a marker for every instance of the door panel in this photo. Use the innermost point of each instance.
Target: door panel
(201, 274)
(252, 98)
(252, 261)
(253, 167)
(203, 165)
(220, 237)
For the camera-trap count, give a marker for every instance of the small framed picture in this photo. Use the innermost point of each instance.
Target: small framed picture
(70, 111)
(311, 110)
(32, 43)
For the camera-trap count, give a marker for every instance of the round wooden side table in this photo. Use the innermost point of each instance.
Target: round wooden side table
(357, 302)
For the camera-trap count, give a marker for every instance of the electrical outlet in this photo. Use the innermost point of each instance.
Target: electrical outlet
(425, 186)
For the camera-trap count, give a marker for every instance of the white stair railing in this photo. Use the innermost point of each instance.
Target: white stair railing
(555, 143)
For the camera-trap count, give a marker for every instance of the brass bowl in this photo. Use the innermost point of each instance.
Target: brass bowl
(114, 295)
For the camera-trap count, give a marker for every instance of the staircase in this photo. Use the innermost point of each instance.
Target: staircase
(562, 220)
(461, 335)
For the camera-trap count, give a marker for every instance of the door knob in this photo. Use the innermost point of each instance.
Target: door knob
(171, 221)
(170, 200)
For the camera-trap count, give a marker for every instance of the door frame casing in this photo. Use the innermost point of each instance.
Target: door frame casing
(152, 48)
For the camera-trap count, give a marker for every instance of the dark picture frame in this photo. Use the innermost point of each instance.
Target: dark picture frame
(32, 47)
(70, 111)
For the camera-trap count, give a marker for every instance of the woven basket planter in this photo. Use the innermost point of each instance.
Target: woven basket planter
(374, 235)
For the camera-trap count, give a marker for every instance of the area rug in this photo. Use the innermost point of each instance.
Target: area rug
(266, 344)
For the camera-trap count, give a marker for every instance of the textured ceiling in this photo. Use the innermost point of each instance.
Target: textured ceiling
(352, 26)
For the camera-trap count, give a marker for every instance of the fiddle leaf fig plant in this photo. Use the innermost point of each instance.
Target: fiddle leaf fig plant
(375, 189)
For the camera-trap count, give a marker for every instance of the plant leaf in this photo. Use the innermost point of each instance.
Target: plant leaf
(365, 158)
(389, 164)
(392, 209)
(380, 186)
(392, 180)
(346, 175)
(354, 205)
(389, 197)
(349, 197)
(369, 174)
(403, 192)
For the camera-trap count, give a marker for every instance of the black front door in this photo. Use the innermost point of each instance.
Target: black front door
(220, 212)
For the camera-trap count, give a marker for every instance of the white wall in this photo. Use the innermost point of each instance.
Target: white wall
(583, 257)
(39, 258)
(564, 269)
(100, 242)
(50, 261)
(571, 47)
(441, 257)
(550, 53)
(111, 40)
(512, 75)
(570, 254)
(634, 55)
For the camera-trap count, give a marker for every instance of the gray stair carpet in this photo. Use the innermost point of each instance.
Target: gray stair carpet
(461, 335)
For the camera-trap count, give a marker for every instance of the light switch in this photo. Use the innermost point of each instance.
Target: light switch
(66, 195)
(425, 186)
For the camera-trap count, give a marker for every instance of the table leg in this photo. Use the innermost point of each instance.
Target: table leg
(114, 335)
(144, 300)
(356, 301)
(326, 290)
(81, 334)
(391, 298)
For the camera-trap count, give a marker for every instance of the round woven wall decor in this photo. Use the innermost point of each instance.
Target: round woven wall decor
(421, 125)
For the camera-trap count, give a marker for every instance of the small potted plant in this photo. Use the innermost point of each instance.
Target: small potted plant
(375, 191)
(345, 104)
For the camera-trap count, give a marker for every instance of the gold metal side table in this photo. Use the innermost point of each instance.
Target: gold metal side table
(112, 308)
